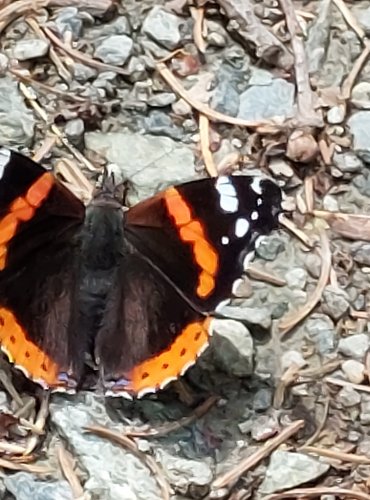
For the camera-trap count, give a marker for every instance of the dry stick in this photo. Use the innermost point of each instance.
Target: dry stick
(42, 114)
(7, 384)
(305, 99)
(81, 57)
(55, 59)
(317, 492)
(336, 455)
(165, 429)
(131, 446)
(204, 132)
(274, 124)
(309, 196)
(292, 319)
(344, 383)
(290, 226)
(34, 469)
(260, 275)
(67, 465)
(18, 9)
(45, 148)
(320, 427)
(232, 476)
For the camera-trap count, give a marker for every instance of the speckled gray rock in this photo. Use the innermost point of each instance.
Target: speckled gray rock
(269, 247)
(359, 124)
(30, 48)
(163, 27)
(267, 101)
(186, 475)
(335, 302)
(353, 370)
(259, 316)
(149, 162)
(16, 121)
(360, 95)
(288, 470)
(74, 130)
(354, 346)
(318, 328)
(24, 486)
(68, 20)
(361, 253)
(348, 397)
(112, 471)
(114, 49)
(347, 162)
(232, 346)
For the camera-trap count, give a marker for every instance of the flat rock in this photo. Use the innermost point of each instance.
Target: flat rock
(335, 302)
(359, 124)
(112, 471)
(348, 397)
(16, 121)
(267, 101)
(259, 316)
(354, 346)
(232, 345)
(114, 49)
(163, 27)
(24, 486)
(30, 48)
(288, 470)
(150, 163)
(347, 162)
(319, 328)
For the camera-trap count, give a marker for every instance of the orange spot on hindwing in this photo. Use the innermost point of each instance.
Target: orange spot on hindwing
(21, 210)
(192, 231)
(24, 353)
(158, 371)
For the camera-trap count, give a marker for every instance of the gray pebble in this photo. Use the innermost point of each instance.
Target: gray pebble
(74, 130)
(262, 400)
(319, 329)
(361, 253)
(336, 114)
(353, 370)
(163, 27)
(335, 302)
(354, 346)
(269, 247)
(347, 162)
(359, 124)
(68, 20)
(348, 397)
(24, 485)
(232, 345)
(30, 48)
(114, 49)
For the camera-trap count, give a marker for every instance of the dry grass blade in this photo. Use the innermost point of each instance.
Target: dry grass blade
(336, 455)
(292, 319)
(74, 179)
(305, 98)
(165, 429)
(83, 58)
(350, 19)
(44, 149)
(40, 422)
(320, 427)
(205, 145)
(317, 492)
(274, 125)
(11, 448)
(290, 226)
(54, 129)
(7, 384)
(18, 9)
(67, 465)
(287, 379)
(352, 226)
(198, 16)
(131, 446)
(309, 196)
(230, 477)
(260, 275)
(33, 469)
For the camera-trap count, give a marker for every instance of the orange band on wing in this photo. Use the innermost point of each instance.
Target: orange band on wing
(24, 353)
(191, 230)
(21, 210)
(158, 371)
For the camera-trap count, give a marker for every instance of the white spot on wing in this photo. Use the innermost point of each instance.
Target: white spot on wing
(225, 240)
(254, 215)
(259, 202)
(4, 159)
(228, 196)
(256, 185)
(241, 227)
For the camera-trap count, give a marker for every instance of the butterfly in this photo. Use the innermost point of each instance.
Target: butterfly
(131, 291)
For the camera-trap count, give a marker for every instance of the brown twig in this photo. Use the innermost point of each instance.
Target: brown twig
(305, 98)
(317, 492)
(336, 455)
(67, 465)
(40, 422)
(197, 13)
(230, 477)
(45, 148)
(166, 429)
(320, 427)
(352, 226)
(83, 58)
(260, 275)
(131, 446)
(34, 469)
(290, 226)
(344, 383)
(292, 319)
(274, 124)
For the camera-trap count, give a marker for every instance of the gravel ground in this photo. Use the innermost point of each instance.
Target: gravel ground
(165, 92)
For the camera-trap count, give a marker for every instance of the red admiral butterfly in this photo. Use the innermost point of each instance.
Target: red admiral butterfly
(133, 290)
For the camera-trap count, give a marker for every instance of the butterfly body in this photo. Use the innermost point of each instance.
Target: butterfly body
(132, 291)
